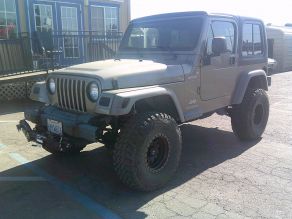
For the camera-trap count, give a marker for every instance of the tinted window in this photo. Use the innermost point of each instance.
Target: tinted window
(252, 44)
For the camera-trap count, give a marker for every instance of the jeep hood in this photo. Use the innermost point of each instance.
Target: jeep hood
(127, 73)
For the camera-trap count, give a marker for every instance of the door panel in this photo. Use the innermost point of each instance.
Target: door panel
(219, 71)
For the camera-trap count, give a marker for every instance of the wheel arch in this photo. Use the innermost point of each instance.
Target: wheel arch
(253, 79)
(151, 99)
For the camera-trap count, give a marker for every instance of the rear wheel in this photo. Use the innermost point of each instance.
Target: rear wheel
(249, 119)
(148, 150)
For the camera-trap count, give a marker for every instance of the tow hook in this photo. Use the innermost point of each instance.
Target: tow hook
(26, 129)
(30, 134)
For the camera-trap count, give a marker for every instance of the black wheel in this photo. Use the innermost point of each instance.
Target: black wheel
(148, 150)
(74, 146)
(249, 119)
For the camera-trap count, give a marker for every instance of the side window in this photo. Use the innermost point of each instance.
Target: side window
(252, 43)
(247, 44)
(220, 29)
(227, 30)
(257, 40)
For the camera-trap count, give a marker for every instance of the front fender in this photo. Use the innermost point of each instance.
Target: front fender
(243, 83)
(123, 102)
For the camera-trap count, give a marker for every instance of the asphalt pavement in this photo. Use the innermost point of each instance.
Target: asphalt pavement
(218, 177)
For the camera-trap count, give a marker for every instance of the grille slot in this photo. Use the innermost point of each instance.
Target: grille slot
(71, 94)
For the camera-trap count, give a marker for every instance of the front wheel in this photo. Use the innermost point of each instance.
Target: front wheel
(147, 152)
(249, 119)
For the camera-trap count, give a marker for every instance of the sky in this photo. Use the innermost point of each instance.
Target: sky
(277, 12)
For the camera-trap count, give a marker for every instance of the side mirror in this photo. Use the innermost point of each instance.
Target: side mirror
(219, 46)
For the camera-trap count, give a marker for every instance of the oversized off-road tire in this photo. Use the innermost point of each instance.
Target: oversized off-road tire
(249, 119)
(53, 147)
(147, 152)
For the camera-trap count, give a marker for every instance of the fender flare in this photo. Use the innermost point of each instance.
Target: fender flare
(119, 107)
(243, 83)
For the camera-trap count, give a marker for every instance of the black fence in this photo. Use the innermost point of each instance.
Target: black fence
(45, 51)
(15, 55)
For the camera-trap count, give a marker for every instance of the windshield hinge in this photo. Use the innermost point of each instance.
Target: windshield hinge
(199, 90)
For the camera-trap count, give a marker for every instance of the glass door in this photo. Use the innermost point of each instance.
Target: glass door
(71, 35)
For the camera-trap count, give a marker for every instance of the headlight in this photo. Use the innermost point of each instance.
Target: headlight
(93, 91)
(51, 86)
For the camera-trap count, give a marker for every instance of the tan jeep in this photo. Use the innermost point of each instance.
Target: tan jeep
(170, 69)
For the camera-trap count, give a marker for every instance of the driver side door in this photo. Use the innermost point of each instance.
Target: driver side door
(219, 71)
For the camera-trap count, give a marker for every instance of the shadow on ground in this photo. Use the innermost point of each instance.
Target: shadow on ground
(92, 174)
(16, 106)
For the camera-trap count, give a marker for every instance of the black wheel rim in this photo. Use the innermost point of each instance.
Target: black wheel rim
(157, 153)
(259, 114)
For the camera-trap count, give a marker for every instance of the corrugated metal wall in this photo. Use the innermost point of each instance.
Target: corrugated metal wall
(282, 47)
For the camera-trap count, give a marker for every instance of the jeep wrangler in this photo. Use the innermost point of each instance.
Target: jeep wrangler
(170, 69)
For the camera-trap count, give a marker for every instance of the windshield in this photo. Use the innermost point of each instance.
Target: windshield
(174, 35)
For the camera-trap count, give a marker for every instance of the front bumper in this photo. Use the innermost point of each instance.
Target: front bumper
(73, 124)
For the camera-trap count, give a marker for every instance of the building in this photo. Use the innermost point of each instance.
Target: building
(82, 30)
(18, 16)
(280, 46)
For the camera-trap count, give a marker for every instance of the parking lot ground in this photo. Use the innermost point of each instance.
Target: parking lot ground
(218, 177)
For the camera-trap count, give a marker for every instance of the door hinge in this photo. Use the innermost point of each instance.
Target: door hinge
(199, 90)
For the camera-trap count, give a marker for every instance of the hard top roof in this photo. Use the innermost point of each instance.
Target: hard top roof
(190, 14)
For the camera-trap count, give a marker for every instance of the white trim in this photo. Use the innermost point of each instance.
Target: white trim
(104, 7)
(34, 15)
(78, 45)
(46, 1)
(5, 12)
(56, 17)
(28, 13)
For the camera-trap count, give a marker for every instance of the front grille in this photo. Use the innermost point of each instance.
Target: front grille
(71, 94)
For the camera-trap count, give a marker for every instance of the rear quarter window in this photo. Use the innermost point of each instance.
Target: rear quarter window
(252, 40)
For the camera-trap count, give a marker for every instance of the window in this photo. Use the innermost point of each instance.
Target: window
(69, 22)
(104, 19)
(69, 19)
(252, 44)
(220, 29)
(43, 16)
(8, 19)
(168, 35)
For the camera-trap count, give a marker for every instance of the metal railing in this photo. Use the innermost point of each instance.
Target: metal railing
(15, 55)
(24, 54)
